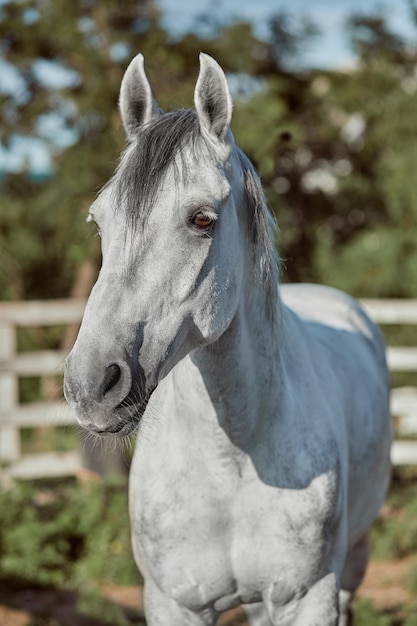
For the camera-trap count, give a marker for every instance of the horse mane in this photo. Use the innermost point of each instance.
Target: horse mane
(262, 223)
(159, 146)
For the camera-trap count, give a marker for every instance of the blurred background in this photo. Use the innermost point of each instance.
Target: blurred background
(325, 105)
(325, 99)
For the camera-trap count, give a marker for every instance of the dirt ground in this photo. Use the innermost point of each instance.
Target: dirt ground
(22, 604)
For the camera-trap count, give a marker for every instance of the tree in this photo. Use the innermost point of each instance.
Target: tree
(374, 243)
(335, 149)
(70, 57)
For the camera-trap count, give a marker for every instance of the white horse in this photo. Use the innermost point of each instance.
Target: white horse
(264, 440)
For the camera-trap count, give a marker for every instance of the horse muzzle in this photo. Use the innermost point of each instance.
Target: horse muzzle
(101, 397)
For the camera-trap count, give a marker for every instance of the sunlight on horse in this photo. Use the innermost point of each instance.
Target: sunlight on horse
(264, 441)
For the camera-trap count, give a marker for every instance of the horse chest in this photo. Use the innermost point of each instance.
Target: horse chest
(228, 545)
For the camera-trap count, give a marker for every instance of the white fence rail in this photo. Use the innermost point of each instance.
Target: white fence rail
(14, 416)
(15, 364)
(400, 359)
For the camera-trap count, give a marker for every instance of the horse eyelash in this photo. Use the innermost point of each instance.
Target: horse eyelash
(210, 212)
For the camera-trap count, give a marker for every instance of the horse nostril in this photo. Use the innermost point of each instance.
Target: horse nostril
(111, 378)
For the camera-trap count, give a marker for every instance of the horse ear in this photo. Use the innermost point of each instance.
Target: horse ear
(136, 102)
(212, 98)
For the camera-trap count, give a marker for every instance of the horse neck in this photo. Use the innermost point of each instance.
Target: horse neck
(232, 374)
(242, 364)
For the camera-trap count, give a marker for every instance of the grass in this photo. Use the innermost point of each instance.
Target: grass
(365, 614)
(394, 535)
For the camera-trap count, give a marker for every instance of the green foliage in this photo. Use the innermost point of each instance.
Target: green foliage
(412, 583)
(67, 536)
(366, 615)
(394, 534)
(43, 236)
(376, 263)
(395, 538)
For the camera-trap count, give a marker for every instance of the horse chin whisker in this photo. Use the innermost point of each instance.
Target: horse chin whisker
(94, 439)
(150, 425)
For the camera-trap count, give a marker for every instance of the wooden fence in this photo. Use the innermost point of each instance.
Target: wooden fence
(400, 359)
(16, 364)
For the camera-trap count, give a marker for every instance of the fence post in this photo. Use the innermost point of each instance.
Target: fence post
(9, 434)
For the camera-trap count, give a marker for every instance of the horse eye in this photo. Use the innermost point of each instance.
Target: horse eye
(202, 220)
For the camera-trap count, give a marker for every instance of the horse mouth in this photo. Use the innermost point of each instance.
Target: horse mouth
(128, 417)
(120, 430)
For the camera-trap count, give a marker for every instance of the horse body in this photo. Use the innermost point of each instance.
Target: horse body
(263, 451)
(223, 518)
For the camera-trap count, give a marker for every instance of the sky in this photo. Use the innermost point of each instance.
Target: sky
(330, 50)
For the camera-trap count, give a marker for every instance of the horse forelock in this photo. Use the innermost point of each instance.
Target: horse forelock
(143, 168)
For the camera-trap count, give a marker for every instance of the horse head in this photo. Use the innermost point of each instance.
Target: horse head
(174, 246)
